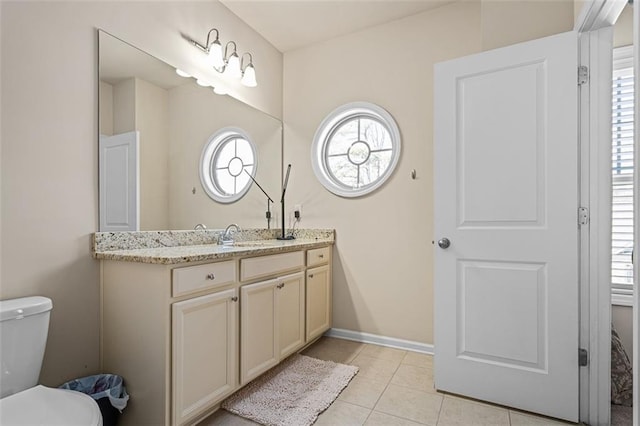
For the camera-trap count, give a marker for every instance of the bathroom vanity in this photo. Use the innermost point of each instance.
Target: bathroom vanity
(188, 325)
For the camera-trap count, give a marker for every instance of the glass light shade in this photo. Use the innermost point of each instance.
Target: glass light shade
(220, 90)
(232, 69)
(249, 76)
(203, 83)
(182, 73)
(215, 54)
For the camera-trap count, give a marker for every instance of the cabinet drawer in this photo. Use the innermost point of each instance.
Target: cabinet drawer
(318, 256)
(203, 277)
(257, 267)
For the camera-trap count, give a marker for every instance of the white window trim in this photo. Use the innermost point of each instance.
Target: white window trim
(326, 128)
(622, 59)
(209, 154)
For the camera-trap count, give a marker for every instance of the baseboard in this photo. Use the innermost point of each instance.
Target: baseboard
(391, 342)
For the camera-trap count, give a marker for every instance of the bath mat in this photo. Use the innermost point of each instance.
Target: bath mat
(293, 393)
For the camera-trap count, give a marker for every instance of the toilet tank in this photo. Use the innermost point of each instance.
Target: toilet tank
(24, 324)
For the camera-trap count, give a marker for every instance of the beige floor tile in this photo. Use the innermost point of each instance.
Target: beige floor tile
(340, 344)
(383, 352)
(343, 414)
(363, 391)
(329, 354)
(459, 411)
(225, 418)
(377, 369)
(526, 419)
(418, 359)
(414, 377)
(412, 404)
(381, 419)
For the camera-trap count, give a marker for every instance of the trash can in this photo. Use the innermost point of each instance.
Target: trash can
(109, 392)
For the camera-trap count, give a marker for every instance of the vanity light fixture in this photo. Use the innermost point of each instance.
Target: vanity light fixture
(232, 67)
(248, 72)
(182, 73)
(229, 63)
(220, 90)
(215, 51)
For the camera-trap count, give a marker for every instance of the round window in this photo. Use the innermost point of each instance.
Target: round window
(227, 160)
(355, 149)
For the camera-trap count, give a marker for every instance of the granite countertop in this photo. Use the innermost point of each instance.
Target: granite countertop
(174, 247)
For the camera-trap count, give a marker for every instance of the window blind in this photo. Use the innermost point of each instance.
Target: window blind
(622, 174)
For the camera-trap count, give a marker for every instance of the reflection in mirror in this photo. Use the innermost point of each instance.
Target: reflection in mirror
(227, 165)
(174, 119)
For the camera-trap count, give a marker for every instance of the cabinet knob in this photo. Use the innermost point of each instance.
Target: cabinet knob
(310, 275)
(280, 285)
(234, 299)
(321, 256)
(211, 277)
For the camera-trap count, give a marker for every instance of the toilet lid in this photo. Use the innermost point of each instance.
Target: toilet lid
(48, 406)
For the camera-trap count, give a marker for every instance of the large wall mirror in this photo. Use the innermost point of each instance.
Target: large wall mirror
(173, 119)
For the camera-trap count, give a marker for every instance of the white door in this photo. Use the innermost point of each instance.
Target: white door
(506, 198)
(119, 182)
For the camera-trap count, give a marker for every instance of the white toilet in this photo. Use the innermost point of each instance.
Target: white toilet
(24, 325)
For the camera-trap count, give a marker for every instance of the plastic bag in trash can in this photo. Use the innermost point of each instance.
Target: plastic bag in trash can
(101, 386)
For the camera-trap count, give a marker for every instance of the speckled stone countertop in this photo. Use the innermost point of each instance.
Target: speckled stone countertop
(173, 247)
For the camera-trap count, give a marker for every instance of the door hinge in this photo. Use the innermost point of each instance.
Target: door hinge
(583, 75)
(583, 357)
(583, 216)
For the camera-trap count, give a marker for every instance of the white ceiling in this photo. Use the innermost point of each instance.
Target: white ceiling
(291, 24)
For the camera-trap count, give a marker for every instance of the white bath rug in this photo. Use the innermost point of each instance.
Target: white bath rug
(293, 393)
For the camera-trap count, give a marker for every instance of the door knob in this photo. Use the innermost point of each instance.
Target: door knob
(444, 243)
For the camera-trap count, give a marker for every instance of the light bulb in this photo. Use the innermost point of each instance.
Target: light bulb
(232, 69)
(215, 54)
(182, 73)
(249, 76)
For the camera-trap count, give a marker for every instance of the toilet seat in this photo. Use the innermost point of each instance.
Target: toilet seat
(41, 405)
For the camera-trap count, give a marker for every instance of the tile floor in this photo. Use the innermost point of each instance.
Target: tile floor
(394, 387)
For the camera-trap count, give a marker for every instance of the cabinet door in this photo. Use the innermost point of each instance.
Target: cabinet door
(259, 330)
(318, 301)
(290, 308)
(205, 352)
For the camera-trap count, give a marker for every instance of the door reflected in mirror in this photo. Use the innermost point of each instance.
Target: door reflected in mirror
(174, 119)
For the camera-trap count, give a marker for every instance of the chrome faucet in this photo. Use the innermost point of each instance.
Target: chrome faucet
(226, 238)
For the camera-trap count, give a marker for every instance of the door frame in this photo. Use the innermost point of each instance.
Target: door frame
(595, 28)
(636, 236)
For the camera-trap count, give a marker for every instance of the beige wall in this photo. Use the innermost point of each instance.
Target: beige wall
(384, 256)
(105, 97)
(49, 193)
(124, 106)
(509, 22)
(152, 121)
(623, 29)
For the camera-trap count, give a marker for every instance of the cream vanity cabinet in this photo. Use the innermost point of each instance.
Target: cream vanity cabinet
(273, 312)
(318, 297)
(185, 336)
(172, 333)
(204, 338)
